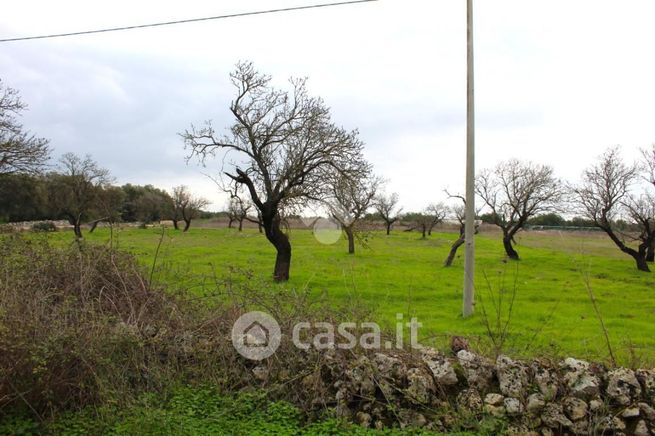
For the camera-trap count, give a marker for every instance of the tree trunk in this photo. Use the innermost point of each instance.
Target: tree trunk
(271, 223)
(638, 256)
(388, 228)
(642, 263)
(650, 252)
(423, 229)
(351, 239)
(187, 224)
(175, 225)
(453, 251)
(261, 229)
(77, 229)
(241, 224)
(509, 249)
(93, 226)
(229, 225)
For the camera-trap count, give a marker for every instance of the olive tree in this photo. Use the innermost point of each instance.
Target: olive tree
(280, 147)
(387, 208)
(20, 151)
(515, 191)
(604, 196)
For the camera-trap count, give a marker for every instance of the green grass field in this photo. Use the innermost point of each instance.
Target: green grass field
(552, 313)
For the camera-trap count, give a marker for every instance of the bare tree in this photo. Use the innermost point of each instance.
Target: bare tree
(349, 202)
(238, 209)
(649, 163)
(74, 191)
(641, 210)
(386, 208)
(180, 198)
(604, 194)
(426, 220)
(649, 166)
(107, 206)
(186, 206)
(192, 210)
(232, 212)
(459, 213)
(280, 147)
(20, 151)
(515, 191)
(437, 213)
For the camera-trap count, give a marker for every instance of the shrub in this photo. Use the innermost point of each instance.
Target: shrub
(81, 325)
(44, 226)
(73, 323)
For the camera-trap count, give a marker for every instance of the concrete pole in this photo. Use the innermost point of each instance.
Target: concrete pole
(469, 224)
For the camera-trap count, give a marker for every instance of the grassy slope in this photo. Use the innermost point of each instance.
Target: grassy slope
(402, 273)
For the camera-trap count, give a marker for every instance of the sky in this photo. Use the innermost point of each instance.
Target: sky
(556, 82)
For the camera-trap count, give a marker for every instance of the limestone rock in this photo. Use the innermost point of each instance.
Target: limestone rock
(647, 379)
(536, 403)
(420, 386)
(623, 386)
(611, 424)
(363, 419)
(580, 427)
(493, 399)
(442, 369)
(493, 405)
(630, 412)
(579, 378)
(389, 366)
(411, 418)
(470, 399)
(641, 429)
(595, 405)
(553, 417)
(512, 377)
(520, 431)
(647, 411)
(513, 407)
(478, 370)
(545, 381)
(575, 408)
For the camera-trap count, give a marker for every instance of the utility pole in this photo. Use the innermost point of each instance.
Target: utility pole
(469, 223)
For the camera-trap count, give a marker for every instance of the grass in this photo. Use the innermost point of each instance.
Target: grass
(552, 313)
(197, 411)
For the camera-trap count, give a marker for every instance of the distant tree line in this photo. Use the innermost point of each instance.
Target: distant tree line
(81, 192)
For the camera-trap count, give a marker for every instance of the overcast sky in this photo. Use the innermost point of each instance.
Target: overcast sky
(557, 81)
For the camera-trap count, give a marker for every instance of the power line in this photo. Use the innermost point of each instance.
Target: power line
(191, 20)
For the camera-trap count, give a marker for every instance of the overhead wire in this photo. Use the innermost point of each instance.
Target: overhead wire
(190, 20)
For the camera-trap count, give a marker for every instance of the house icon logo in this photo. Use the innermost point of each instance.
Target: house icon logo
(256, 335)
